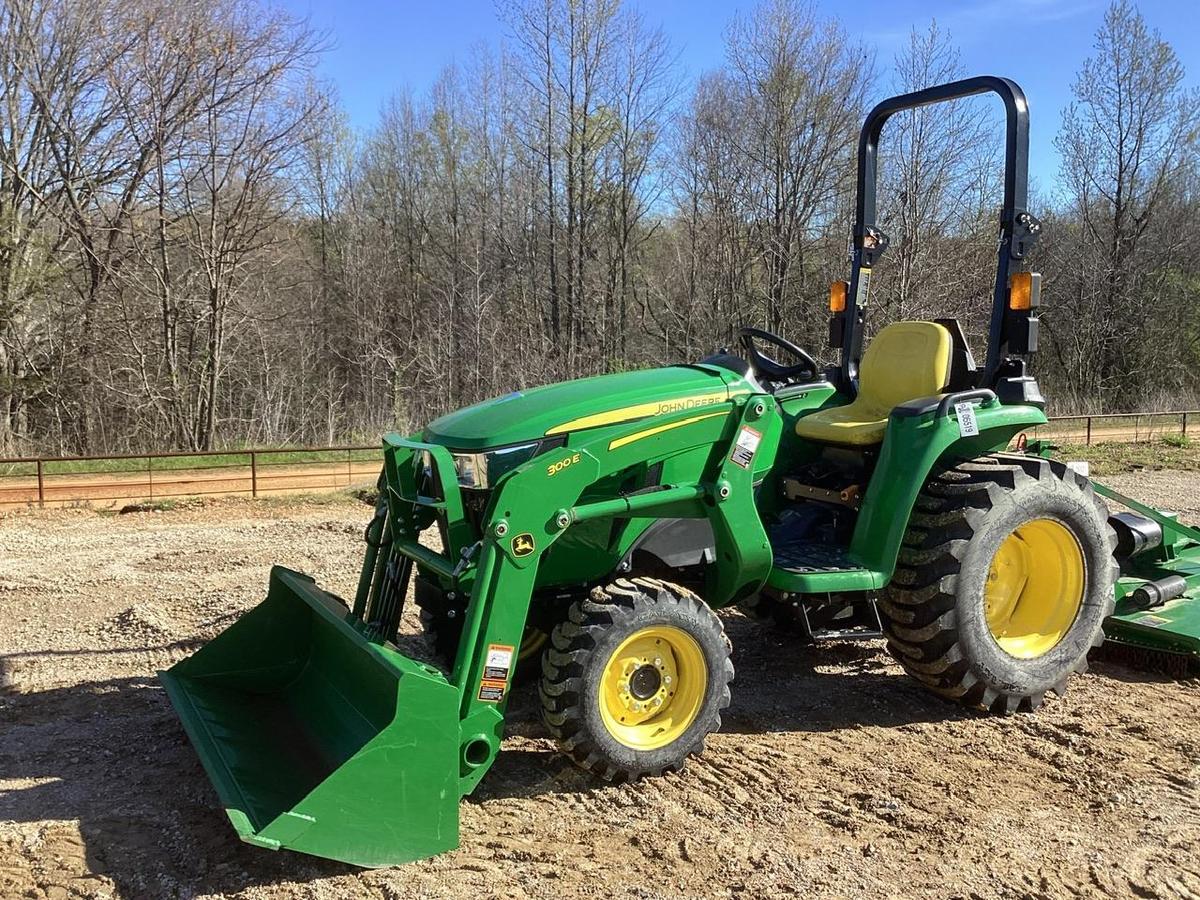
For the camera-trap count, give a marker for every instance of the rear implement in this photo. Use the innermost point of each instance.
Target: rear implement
(1156, 621)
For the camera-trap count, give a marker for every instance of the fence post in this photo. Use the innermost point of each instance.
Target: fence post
(253, 475)
(1089, 431)
(349, 470)
(1185, 424)
(150, 475)
(41, 485)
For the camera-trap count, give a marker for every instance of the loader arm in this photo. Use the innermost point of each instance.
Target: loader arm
(533, 507)
(320, 736)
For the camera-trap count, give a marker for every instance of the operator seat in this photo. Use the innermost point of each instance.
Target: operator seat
(905, 361)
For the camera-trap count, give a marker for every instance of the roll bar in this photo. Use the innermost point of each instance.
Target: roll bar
(1018, 229)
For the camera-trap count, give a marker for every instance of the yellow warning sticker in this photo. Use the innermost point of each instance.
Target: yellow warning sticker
(497, 667)
(492, 691)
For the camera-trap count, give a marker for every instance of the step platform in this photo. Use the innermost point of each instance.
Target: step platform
(838, 619)
(814, 567)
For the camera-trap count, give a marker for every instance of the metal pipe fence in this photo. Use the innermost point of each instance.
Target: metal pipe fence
(132, 478)
(1119, 427)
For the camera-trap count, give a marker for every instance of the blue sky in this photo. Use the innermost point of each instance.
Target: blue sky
(380, 46)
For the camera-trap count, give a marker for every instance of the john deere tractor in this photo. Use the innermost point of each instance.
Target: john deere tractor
(588, 532)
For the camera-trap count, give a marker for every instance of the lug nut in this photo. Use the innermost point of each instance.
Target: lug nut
(658, 661)
(666, 679)
(658, 701)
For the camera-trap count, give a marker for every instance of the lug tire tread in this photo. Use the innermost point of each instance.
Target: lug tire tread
(919, 608)
(620, 604)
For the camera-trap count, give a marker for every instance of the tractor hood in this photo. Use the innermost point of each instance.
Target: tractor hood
(585, 403)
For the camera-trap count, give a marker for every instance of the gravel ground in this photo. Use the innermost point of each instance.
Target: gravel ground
(835, 774)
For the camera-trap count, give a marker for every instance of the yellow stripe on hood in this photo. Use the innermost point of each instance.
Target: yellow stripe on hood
(659, 429)
(641, 411)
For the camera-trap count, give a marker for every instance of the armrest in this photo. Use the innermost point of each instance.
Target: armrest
(941, 404)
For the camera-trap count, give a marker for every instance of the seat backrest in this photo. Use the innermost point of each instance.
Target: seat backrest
(905, 361)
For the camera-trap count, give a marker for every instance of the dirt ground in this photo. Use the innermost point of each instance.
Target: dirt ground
(835, 775)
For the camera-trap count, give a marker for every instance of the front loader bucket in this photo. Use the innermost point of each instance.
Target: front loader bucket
(318, 739)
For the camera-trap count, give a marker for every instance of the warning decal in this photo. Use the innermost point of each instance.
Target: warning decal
(491, 691)
(498, 663)
(745, 447)
(497, 666)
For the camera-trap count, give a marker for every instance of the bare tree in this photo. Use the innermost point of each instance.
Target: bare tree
(195, 250)
(1128, 144)
(801, 86)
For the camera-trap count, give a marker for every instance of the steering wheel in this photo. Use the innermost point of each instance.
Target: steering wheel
(772, 369)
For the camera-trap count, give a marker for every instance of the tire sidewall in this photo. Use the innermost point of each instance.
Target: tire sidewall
(669, 611)
(1071, 507)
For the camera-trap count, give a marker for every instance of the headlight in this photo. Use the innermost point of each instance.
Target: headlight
(482, 470)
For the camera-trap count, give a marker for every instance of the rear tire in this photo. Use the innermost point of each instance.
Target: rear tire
(635, 679)
(1003, 583)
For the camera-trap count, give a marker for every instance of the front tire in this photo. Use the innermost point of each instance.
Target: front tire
(635, 679)
(1004, 581)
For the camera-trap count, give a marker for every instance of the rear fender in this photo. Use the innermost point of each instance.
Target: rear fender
(913, 445)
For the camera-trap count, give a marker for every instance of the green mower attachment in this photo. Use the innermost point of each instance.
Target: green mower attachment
(1155, 613)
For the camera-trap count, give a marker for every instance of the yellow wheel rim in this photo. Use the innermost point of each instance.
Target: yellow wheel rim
(1034, 588)
(532, 641)
(653, 687)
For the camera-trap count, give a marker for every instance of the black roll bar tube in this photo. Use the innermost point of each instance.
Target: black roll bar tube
(1018, 229)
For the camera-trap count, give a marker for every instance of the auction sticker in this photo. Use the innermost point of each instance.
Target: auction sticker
(745, 447)
(968, 426)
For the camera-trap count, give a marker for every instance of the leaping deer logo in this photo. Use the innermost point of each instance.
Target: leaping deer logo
(522, 544)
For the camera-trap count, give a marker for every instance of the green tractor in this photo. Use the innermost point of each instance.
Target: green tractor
(590, 530)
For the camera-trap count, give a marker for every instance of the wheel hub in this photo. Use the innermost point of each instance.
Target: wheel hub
(653, 687)
(645, 682)
(1034, 588)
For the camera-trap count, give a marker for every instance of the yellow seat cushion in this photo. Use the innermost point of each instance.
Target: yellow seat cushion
(905, 361)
